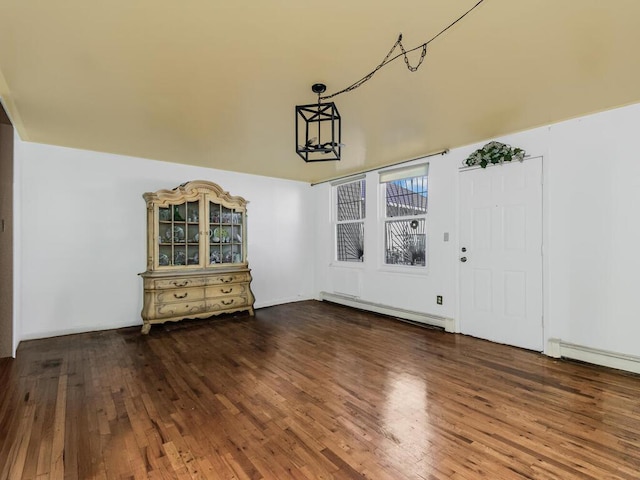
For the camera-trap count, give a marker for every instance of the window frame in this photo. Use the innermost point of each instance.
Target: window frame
(394, 175)
(359, 221)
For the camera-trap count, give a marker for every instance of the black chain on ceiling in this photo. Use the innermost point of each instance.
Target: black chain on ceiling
(403, 53)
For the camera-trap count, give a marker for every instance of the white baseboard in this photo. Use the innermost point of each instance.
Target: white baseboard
(434, 320)
(281, 301)
(76, 330)
(621, 361)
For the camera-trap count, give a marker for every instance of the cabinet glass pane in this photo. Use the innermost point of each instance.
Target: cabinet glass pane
(178, 234)
(225, 234)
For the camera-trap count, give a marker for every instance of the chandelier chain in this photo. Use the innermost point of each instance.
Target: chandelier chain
(403, 53)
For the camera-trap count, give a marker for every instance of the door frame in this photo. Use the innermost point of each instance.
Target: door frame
(544, 254)
(8, 322)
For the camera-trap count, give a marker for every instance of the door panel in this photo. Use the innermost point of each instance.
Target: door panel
(482, 288)
(501, 232)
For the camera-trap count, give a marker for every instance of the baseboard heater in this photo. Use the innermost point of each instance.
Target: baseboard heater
(409, 315)
(560, 349)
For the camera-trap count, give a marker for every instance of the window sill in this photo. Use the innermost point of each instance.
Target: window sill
(404, 270)
(354, 265)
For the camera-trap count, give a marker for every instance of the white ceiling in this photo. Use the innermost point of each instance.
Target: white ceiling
(214, 83)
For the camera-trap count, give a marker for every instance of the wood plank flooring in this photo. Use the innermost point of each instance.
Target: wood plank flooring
(309, 390)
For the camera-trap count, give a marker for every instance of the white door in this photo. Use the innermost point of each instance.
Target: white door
(501, 253)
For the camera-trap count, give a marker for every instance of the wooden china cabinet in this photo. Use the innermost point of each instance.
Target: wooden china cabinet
(196, 254)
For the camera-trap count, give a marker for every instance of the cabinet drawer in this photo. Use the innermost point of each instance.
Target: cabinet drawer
(228, 278)
(223, 303)
(226, 290)
(179, 295)
(182, 308)
(180, 282)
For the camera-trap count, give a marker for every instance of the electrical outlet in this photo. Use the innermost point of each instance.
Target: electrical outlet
(439, 299)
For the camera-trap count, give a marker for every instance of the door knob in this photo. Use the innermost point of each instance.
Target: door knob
(463, 259)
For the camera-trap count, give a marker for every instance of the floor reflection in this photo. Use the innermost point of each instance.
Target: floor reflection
(405, 415)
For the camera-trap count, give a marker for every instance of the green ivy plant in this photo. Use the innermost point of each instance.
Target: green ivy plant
(494, 152)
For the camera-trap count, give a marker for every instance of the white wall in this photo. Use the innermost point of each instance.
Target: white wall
(83, 239)
(403, 288)
(400, 287)
(593, 192)
(591, 224)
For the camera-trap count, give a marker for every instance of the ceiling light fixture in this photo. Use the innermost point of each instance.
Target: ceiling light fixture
(319, 127)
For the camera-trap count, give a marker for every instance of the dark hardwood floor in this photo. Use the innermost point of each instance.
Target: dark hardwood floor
(309, 390)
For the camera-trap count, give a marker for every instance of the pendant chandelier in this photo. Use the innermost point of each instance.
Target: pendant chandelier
(318, 125)
(318, 129)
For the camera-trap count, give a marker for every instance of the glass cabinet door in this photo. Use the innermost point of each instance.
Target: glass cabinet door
(225, 234)
(178, 234)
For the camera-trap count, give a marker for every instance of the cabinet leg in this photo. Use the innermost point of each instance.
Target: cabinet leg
(146, 327)
(251, 312)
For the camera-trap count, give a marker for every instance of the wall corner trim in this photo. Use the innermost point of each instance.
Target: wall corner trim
(553, 348)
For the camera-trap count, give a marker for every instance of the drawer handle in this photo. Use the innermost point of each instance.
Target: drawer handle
(181, 284)
(180, 296)
(227, 280)
(227, 302)
(223, 290)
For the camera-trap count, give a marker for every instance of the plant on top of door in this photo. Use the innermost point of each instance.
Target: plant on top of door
(494, 152)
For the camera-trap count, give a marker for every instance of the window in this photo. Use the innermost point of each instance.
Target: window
(350, 214)
(405, 215)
